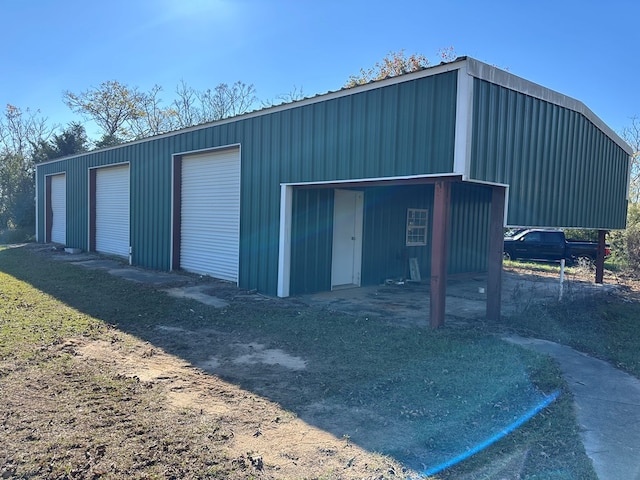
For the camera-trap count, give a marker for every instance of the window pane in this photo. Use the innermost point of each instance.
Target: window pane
(417, 226)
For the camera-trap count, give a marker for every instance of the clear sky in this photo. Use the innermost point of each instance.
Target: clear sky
(586, 49)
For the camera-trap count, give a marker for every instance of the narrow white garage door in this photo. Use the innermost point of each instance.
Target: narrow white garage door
(59, 209)
(112, 210)
(210, 214)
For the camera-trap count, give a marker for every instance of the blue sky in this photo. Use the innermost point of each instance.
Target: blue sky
(586, 49)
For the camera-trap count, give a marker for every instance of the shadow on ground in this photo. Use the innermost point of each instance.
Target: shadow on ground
(343, 361)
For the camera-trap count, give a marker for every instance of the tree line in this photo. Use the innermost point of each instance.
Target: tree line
(121, 113)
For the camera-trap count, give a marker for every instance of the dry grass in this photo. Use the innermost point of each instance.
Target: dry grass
(98, 381)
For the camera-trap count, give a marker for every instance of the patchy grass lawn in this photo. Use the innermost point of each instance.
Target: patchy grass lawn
(98, 381)
(604, 326)
(16, 235)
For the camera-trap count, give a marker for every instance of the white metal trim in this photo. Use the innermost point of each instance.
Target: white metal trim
(37, 215)
(200, 151)
(374, 179)
(110, 165)
(284, 248)
(464, 123)
(172, 211)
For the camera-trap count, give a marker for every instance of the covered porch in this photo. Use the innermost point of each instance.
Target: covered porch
(337, 236)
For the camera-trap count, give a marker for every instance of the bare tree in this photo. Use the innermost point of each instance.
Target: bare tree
(152, 118)
(226, 101)
(185, 107)
(393, 64)
(447, 54)
(20, 131)
(293, 95)
(631, 135)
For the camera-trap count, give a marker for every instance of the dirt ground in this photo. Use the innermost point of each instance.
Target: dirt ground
(205, 373)
(265, 439)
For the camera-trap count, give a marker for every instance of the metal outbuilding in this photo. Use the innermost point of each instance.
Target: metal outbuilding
(343, 189)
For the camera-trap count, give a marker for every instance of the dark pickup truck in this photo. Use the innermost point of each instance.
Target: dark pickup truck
(550, 246)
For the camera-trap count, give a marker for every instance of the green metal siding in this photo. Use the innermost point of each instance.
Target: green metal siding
(469, 229)
(384, 251)
(562, 171)
(311, 240)
(402, 129)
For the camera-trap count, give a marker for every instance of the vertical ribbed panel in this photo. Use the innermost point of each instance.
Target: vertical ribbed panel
(469, 229)
(385, 254)
(561, 169)
(402, 129)
(311, 240)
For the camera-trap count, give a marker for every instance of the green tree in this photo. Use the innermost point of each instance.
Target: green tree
(70, 141)
(17, 192)
(111, 106)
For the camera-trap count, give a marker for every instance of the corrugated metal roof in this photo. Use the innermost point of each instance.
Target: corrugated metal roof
(473, 67)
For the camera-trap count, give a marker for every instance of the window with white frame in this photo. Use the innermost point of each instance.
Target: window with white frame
(417, 226)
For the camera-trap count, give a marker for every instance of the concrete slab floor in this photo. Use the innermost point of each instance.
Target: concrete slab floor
(408, 304)
(404, 304)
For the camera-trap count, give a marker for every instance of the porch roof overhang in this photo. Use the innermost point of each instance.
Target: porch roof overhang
(379, 182)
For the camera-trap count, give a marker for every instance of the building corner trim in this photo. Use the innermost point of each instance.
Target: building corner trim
(464, 123)
(284, 250)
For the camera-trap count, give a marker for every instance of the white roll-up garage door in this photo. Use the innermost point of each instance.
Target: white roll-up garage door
(59, 209)
(112, 210)
(210, 214)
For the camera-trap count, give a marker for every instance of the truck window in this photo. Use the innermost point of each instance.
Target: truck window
(532, 237)
(552, 237)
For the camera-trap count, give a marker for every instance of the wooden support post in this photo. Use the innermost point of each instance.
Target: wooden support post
(439, 250)
(602, 244)
(494, 260)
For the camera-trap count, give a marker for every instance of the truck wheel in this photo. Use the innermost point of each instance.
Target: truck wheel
(584, 261)
(506, 256)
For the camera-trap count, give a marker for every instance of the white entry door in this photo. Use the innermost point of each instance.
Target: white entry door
(346, 260)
